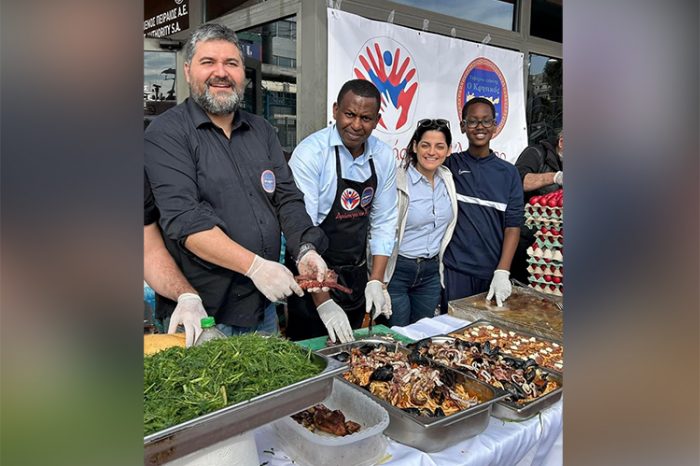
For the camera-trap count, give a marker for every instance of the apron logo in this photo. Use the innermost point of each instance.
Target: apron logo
(267, 179)
(349, 199)
(367, 195)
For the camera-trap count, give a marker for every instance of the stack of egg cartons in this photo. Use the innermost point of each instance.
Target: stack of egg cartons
(545, 255)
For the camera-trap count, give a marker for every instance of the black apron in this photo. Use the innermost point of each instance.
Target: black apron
(346, 227)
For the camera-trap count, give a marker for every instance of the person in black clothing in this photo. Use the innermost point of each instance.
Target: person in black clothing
(225, 192)
(541, 168)
(163, 275)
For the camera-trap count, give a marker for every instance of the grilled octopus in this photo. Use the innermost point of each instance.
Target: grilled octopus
(329, 281)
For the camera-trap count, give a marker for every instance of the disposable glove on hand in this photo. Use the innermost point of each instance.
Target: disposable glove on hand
(500, 287)
(273, 279)
(559, 178)
(336, 321)
(387, 299)
(312, 263)
(188, 313)
(378, 298)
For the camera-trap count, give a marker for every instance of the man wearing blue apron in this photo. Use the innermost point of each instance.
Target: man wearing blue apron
(348, 178)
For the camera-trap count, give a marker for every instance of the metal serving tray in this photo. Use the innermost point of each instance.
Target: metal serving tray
(425, 433)
(506, 409)
(503, 326)
(190, 436)
(546, 322)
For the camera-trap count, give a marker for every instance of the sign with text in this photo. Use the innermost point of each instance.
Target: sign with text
(165, 17)
(251, 49)
(423, 75)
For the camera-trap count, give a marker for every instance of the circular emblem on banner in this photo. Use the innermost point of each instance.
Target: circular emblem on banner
(267, 179)
(367, 195)
(482, 78)
(391, 67)
(349, 199)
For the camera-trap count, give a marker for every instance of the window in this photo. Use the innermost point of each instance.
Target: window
(498, 13)
(158, 82)
(544, 97)
(284, 61)
(286, 29)
(546, 19)
(275, 44)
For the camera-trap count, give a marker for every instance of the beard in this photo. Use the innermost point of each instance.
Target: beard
(218, 103)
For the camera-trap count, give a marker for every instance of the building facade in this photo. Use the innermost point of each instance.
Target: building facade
(286, 47)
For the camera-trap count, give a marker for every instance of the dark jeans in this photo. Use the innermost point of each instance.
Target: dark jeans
(414, 289)
(269, 325)
(518, 268)
(459, 285)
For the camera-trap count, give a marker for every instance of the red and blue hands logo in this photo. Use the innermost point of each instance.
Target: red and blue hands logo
(394, 73)
(349, 199)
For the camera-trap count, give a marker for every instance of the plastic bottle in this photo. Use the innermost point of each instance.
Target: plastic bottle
(209, 331)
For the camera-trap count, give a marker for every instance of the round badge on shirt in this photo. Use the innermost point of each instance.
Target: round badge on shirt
(349, 199)
(267, 179)
(367, 195)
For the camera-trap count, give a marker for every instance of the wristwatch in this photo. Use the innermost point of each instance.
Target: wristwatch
(303, 249)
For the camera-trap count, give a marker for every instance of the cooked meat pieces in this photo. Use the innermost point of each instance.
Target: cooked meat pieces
(322, 418)
(329, 421)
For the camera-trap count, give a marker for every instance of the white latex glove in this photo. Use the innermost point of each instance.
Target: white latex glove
(273, 279)
(389, 113)
(312, 263)
(188, 312)
(559, 178)
(378, 298)
(387, 300)
(500, 287)
(336, 321)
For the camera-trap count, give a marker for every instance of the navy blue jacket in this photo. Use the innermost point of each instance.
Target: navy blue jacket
(490, 198)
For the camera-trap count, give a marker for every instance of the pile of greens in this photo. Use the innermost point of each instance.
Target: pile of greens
(183, 383)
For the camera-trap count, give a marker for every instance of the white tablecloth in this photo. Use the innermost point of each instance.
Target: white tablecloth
(537, 441)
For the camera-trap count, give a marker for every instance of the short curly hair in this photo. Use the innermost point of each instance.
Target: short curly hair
(478, 100)
(211, 31)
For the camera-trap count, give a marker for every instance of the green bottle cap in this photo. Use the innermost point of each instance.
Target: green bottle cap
(207, 322)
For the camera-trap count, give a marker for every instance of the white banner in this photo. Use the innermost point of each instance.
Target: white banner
(424, 75)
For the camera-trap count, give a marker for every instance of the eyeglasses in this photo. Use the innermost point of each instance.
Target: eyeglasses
(486, 123)
(430, 122)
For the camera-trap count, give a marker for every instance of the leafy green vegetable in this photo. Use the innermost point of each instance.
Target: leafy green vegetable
(183, 383)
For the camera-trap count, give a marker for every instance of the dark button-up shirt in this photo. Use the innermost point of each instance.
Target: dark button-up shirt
(243, 185)
(150, 213)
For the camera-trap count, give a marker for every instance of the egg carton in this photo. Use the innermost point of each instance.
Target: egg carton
(542, 270)
(546, 279)
(550, 288)
(539, 222)
(556, 243)
(553, 254)
(539, 261)
(550, 212)
(549, 235)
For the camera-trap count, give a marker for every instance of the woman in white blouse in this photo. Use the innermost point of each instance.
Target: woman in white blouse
(427, 204)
